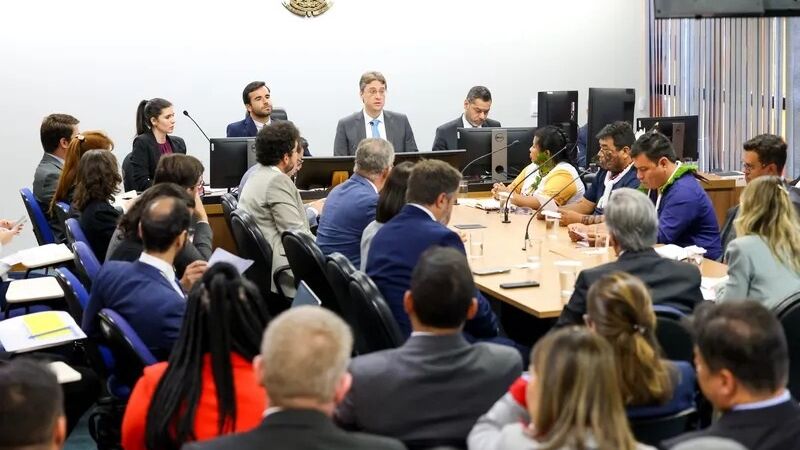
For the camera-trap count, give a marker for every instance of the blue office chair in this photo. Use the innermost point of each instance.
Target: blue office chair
(41, 228)
(62, 212)
(86, 262)
(75, 232)
(654, 430)
(131, 356)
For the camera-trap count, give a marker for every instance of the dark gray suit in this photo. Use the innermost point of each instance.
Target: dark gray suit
(447, 134)
(351, 130)
(431, 388)
(45, 181)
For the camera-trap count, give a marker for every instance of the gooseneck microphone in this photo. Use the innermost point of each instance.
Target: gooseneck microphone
(541, 207)
(488, 154)
(186, 113)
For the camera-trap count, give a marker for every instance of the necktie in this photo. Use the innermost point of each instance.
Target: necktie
(375, 132)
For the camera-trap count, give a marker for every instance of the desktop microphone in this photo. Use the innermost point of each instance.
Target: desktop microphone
(541, 207)
(516, 141)
(186, 113)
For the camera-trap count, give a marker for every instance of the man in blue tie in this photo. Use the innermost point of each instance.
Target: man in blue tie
(373, 121)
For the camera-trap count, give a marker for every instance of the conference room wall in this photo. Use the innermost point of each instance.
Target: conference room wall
(96, 60)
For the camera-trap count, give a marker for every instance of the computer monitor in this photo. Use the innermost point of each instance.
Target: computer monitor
(559, 108)
(606, 106)
(230, 158)
(453, 157)
(682, 131)
(502, 165)
(317, 171)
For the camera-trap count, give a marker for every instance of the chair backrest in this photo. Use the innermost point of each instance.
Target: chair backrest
(338, 270)
(375, 320)
(127, 181)
(62, 212)
(436, 444)
(653, 431)
(76, 296)
(788, 313)
(674, 339)
(86, 262)
(131, 356)
(41, 228)
(75, 232)
(279, 114)
(308, 264)
(229, 205)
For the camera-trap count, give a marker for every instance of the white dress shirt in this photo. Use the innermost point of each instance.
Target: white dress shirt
(467, 124)
(165, 268)
(381, 126)
(260, 125)
(427, 211)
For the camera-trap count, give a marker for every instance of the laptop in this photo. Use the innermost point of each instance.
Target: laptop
(305, 296)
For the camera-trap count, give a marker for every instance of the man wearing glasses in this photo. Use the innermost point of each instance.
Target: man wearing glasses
(373, 121)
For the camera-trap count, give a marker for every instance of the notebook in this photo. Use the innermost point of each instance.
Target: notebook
(38, 330)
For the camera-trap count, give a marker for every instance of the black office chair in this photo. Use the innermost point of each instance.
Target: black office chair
(250, 244)
(279, 114)
(127, 176)
(374, 317)
(653, 431)
(339, 269)
(308, 264)
(788, 313)
(673, 337)
(229, 205)
(436, 444)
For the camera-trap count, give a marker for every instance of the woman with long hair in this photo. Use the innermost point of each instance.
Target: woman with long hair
(155, 122)
(98, 180)
(764, 261)
(208, 387)
(80, 144)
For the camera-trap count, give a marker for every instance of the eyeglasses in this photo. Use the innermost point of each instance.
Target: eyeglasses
(374, 91)
(749, 167)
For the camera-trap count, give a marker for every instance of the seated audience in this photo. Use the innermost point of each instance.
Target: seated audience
(616, 171)
(742, 365)
(155, 122)
(98, 181)
(764, 261)
(390, 200)
(146, 293)
(572, 396)
(208, 387)
(422, 223)
(80, 144)
(56, 132)
(476, 112)
(187, 172)
(351, 205)
(557, 178)
(685, 214)
(303, 367)
(632, 227)
(31, 407)
(425, 391)
(270, 196)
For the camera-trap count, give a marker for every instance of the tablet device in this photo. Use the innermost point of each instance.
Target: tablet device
(305, 296)
(469, 226)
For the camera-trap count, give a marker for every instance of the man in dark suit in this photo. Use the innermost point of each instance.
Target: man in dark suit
(476, 109)
(633, 226)
(56, 132)
(256, 98)
(742, 363)
(421, 224)
(435, 386)
(350, 206)
(373, 121)
(303, 368)
(146, 292)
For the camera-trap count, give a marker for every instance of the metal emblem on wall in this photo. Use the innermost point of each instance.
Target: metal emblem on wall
(308, 8)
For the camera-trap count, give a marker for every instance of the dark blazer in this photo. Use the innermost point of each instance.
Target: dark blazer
(142, 296)
(432, 387)
(296, 429)
(672, 283)
(773, 428)
(242, 128)
(145, 156)
(349, 208)
(351, 130)
(98, 221)
(394, 253)
(45, 181)
(447, 134)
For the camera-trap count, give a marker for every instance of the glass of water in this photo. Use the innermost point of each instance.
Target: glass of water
(476, 244)
(463, 189)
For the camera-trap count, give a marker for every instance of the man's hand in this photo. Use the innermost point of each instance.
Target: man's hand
(569, 216)
(199, 209)
(193, 272)
(7, 224)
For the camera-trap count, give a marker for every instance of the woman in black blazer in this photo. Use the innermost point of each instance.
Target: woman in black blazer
(98, 181)
(155, 120)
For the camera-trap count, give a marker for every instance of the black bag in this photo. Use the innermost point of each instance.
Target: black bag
(105, 423)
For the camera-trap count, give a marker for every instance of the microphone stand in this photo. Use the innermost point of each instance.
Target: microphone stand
(186, 113)
(541, 207)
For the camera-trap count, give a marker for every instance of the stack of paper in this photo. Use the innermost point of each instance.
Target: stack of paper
(488, 204)
(38, 330)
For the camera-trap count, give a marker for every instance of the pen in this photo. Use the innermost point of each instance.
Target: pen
(33, 336)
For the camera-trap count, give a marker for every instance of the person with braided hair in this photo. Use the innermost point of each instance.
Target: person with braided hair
(208, 387)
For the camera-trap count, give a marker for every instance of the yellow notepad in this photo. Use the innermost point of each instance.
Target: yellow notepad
(46, 325)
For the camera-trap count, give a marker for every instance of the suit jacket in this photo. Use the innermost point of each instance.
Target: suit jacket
(275, 204)
(432, 387)
(447, 134)
(672, 283)
(144, 158)
(394, 253)
(351, 130)
(98, 221)
(45, 181)
(349, 208)
(772, 428)
(297, 429)
(242, 128)
(142, 296)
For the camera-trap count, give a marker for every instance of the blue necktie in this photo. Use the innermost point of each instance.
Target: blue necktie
(375, 132)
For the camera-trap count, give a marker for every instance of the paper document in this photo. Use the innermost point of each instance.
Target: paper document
(710, 286)
(222, 255)
(549, 205)
(44, 255)
(488, 204)
(64, 373)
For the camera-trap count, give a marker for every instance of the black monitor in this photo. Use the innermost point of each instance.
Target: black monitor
(606, 106)
(230, 158)
(482, 141)
(681, 131)
(317, 171)
(453, 157)
(559, 108)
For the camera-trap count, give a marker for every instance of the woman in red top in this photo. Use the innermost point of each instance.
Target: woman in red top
(207, 388)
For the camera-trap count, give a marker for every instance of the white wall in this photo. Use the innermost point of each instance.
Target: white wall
(96, 60)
